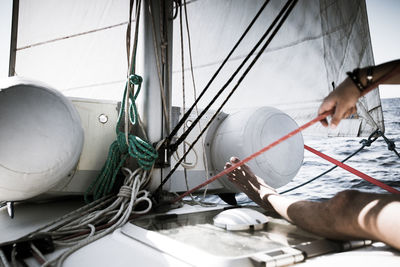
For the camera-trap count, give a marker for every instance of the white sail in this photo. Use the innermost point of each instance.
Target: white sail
(318, 43)
(79, 47)
(76, 46)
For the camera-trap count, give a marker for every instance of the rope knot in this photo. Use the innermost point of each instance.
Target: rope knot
(125, 191)
(135, 79)
(371, 138)
(391, 145)
(366, 142)
(143, 151)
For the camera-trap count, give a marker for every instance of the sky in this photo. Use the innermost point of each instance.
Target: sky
(384, 22)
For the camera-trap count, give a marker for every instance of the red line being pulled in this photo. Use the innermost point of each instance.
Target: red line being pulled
(353, 171)
(256, 154)
(301, 128)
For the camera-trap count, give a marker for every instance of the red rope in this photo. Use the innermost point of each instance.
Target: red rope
(256, 154)
(385, 77)
(353, 171)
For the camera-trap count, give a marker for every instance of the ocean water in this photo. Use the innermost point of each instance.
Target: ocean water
(376, 161)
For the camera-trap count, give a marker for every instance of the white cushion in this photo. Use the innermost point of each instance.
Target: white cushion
(41, 138)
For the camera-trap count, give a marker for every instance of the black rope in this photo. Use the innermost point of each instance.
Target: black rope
(390, 143)
(282, 17)
(364, 142)
(273, 24)
(187, 114)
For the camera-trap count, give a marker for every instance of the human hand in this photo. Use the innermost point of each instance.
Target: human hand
(342, 101)
(250, 184)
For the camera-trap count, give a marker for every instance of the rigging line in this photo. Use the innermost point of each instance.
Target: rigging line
(128, 33)
(92, 85)
(273, 49)
(163, 44)
(157, 58)
(322, 174)
(133, 60)
(390, 143)
(71, 36)
(256, 154)
(182, 62)
(131, 65)
(195, 94)
(183, 91)
(287, 9)
(354, 171)
(364, 142)
(183, 97)
(187, 114)
(129, 62)
(385, 77)
(267, 32)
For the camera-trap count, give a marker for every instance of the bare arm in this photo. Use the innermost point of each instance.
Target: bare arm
(344, 98)
(348, 215)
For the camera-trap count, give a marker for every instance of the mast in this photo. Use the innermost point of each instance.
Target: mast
(14, 33)
(150, 105)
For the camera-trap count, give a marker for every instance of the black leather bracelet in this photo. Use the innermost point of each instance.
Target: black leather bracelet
(370, 75)
(354, 76)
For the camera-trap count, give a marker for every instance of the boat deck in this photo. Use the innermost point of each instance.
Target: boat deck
(185, 237)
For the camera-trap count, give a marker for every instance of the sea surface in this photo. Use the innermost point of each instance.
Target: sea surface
(376, 161)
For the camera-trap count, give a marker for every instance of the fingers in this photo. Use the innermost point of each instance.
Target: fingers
(236, 173)
(337, 117)
(230, 174)
(342, 113)
(244, 169)
(342, 100)
(328, 105)
(234, 160)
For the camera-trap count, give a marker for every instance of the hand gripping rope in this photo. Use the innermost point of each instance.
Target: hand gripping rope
(375, 84)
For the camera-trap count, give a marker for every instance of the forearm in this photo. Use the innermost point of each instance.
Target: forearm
(342, 101)
(379, 71)
(315, 217)
(349, 215)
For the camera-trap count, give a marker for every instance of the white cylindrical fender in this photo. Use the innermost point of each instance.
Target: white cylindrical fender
(247, 131)
(41, 138)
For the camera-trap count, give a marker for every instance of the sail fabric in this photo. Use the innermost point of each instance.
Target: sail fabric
(79, 47)
(76, 46)
(319, 42)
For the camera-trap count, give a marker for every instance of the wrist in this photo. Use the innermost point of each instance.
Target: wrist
(362, 79)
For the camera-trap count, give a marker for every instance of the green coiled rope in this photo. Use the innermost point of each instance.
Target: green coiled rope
(121, 149)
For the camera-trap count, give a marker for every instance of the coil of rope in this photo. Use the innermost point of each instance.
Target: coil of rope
(137, 148)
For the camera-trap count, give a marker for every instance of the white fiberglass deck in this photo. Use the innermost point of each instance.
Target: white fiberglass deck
(175, 240)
